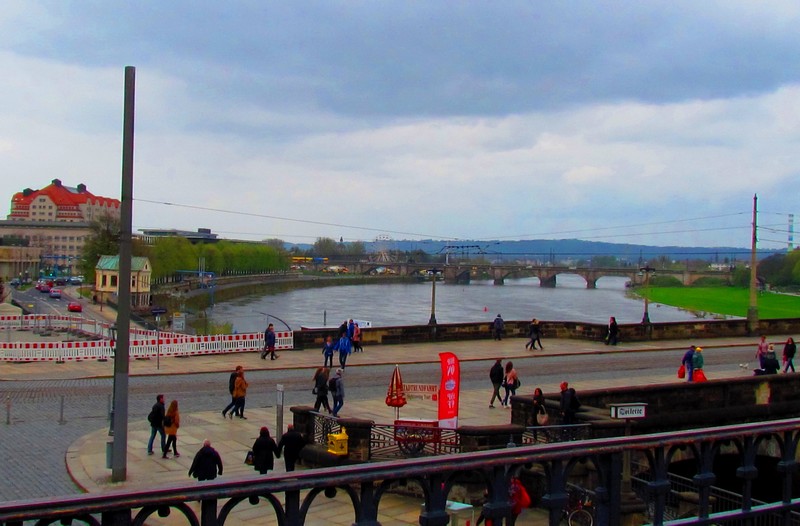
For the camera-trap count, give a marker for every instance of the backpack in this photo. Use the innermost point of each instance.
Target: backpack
(332, 385)
(167, 421)
(574, 403)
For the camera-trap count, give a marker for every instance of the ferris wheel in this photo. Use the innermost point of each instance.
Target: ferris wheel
(383, 247)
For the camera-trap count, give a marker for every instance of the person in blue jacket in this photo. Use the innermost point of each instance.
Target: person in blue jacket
(344, 346)
(269, 343)
(327, 352)
(687, 362)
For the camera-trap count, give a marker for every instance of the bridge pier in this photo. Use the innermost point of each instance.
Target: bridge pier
(499, 281)
(548, 281)
(591, 283)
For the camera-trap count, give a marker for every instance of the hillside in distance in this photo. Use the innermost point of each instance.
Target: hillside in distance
(544, 250)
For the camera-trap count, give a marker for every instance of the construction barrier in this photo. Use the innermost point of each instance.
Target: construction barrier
(143, 343)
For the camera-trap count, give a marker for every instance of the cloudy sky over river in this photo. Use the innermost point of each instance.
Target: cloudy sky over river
(640, 122)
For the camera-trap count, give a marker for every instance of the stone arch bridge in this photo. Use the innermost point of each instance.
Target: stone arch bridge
(547, 275)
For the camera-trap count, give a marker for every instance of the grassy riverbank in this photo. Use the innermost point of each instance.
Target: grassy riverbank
(731, 301)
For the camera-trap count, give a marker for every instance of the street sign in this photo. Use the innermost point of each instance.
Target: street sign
(631, 410)
(156, 311)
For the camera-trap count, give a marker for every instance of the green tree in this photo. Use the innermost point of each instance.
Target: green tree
(103, 239)
(326, 247)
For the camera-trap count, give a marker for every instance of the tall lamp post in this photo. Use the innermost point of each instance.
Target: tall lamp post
(647, 270)
(113, 334)
(432, 320)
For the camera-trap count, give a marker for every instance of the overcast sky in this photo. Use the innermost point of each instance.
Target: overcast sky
(636, 122)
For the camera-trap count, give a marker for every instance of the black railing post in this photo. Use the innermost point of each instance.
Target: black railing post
(208, 512)
(369, 506)
(116, 518)
(435, 513)
(292, 507)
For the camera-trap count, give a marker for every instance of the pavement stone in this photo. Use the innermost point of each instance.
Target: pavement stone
(85, 459)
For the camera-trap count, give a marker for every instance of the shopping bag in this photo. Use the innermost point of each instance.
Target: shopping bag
(699, 376)
(682, 371)
(543, 419)
(248, 459)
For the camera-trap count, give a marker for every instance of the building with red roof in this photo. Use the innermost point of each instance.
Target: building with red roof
(54, 220)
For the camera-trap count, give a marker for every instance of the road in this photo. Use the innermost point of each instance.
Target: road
(35, 442)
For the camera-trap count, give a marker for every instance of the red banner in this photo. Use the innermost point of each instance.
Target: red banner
(448, 390)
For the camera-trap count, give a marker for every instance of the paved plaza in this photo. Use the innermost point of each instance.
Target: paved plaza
(86, 457)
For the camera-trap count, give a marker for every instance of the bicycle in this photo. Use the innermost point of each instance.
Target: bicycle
(579, 510)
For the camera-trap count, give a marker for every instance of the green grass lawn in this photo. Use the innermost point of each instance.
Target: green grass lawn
(726, 300)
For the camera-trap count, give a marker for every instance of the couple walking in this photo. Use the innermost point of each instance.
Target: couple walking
(237, 386)
(164, 422)
(506, 378)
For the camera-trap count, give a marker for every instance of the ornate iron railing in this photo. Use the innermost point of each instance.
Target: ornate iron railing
(289, 496)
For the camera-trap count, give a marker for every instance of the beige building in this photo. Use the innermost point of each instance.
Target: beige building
(19, 262)
(107, 280)
(55, 220)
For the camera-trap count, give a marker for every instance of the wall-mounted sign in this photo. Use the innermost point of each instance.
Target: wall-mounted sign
(631, 410)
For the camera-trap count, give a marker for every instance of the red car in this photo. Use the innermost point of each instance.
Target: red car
(74, 306)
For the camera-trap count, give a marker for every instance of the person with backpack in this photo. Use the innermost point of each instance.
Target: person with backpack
(569, 403)
(231, 387)
(336, 387)
(498, 326)
(156, 419)
(172, 421)
(511, 383)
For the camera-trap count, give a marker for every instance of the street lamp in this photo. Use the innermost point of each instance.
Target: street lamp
(112, 331)
(647, 270)
(432, 320)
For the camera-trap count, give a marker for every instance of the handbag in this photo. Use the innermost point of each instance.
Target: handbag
(314, 391)
(517, 383)
(542, 419)
(682, 371)
(249, 458)
(699, 376)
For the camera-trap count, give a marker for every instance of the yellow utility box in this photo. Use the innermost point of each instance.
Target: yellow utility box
(337, 443)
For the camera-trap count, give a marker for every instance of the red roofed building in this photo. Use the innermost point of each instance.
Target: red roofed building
(60, 203)
(54, 220)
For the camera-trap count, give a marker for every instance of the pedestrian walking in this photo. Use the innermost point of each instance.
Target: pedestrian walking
(344, 346)
(534, 335)
(698, 375)
(686, 361)
(172, 421)
(569, 403)
(327, 352)
(351, 329)
(540, 416)
(771, 365)
(156, 419)
(206, 463)
(612, 337)
(265, 451)
(336, 387)
(290, 445)
(321, 377)
(510, 382)
(231, 385)
(498, 326)
(761, 351)
(239, 394)
(269, 343)
(789, 350)
(357, 339)
(496, 377)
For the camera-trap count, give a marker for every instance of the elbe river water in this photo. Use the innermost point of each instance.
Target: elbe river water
(410, 304)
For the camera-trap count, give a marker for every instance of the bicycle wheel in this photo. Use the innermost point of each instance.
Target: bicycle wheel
(580, 517)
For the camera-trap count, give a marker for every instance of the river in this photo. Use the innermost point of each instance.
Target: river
(410, 304)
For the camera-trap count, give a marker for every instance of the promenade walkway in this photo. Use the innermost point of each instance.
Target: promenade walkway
(86, 458)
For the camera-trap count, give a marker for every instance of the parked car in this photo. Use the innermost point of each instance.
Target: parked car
(76, 280)
(74, 306)
(55, 293)
(15, 282)
(60, 281)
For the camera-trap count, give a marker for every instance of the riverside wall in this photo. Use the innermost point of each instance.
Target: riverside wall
(312, 338)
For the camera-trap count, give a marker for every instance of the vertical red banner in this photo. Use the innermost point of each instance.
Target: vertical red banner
(448, 390)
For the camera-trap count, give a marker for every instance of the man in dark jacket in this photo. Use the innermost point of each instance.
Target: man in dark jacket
(269, 343)
(290, 445)
(687, 362)
(569, 403)
(264, 452)
(207, 463)
(496, 376)
(156, 419)
(498, 327)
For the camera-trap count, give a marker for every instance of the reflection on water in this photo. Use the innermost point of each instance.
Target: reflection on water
(410, 304)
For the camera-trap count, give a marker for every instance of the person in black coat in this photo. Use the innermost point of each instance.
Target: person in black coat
(613, 332)
(207, 463)
(496, 375)
(265, 450)
(290, 445)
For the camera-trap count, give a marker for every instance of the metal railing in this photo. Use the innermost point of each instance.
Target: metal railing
(289, 496)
